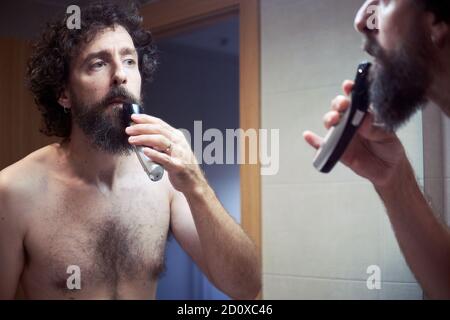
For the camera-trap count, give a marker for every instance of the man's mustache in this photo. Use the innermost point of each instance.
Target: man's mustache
(372, 47)
(118, 93)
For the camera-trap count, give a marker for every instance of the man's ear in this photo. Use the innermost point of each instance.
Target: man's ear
(64, 99)
(440, 32)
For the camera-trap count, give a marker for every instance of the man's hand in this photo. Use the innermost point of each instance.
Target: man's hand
(168, 147)
(199, 222)
(373, 153)
(379, 156)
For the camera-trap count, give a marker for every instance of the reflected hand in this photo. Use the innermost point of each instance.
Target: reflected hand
(373, 153)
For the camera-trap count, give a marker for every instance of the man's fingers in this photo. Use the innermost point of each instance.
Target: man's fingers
(157, 141)
(347, 87)
(145, 118)
(331, 119)
(148, 128)
(313, 139)
(159, 157)
(340, 103)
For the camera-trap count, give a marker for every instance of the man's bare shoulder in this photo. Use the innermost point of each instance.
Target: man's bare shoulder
(20, 183)
(26, 176)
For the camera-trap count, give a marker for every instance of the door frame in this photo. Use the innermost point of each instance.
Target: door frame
(168, 17)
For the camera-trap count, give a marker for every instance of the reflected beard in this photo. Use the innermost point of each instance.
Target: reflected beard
(399, 82)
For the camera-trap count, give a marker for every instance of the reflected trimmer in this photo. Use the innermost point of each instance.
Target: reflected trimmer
(154, 171)
(339, 137)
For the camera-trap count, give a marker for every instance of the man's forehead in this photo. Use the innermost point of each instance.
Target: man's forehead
(109, 39)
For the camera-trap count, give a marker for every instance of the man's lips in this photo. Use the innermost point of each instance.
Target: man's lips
(117, 102)
(367, 48)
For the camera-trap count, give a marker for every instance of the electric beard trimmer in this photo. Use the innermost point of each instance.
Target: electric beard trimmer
(339, 137)
(154, 171)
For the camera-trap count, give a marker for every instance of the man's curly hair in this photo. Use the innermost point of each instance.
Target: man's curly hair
(441, 8)
(49, 65)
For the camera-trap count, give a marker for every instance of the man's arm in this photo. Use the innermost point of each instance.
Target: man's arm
(11, 244)
(199, 222)
(424, 241)
(216, 242)
(380, 157)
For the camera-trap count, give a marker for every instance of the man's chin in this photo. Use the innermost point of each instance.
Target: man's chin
(110, 137)
(392, 116)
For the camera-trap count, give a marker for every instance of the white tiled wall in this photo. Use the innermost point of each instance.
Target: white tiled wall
(446, 135)
(321, 232)
(288, 287)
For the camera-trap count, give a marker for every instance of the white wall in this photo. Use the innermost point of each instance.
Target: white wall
(321, 232)
(436, 166)
(446, 136)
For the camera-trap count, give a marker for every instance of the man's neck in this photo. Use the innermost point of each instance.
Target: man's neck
(91, 165)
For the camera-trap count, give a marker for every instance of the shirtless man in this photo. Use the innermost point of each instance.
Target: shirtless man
(411, 48)
(86, 201)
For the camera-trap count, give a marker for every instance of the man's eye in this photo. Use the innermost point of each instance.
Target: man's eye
(98, 65)
(130, 62)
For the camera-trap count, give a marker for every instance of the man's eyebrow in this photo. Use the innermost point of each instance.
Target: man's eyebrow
(127, 51)
(105, 53)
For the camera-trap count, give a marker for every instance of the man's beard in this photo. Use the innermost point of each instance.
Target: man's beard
(105, 130)
(399, 81)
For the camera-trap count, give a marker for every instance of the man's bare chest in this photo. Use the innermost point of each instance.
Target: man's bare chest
(107, 240)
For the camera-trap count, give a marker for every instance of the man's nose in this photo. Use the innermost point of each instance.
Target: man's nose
(363, 15)
(119, 76)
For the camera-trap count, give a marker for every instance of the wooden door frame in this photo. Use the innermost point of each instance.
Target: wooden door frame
(167, 17)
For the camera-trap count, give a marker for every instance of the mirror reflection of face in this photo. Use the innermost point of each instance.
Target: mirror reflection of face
(104, 75)
(402, 49)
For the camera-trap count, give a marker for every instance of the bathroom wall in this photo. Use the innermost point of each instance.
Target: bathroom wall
(446, 157)
(321, 232)
(436, 160)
